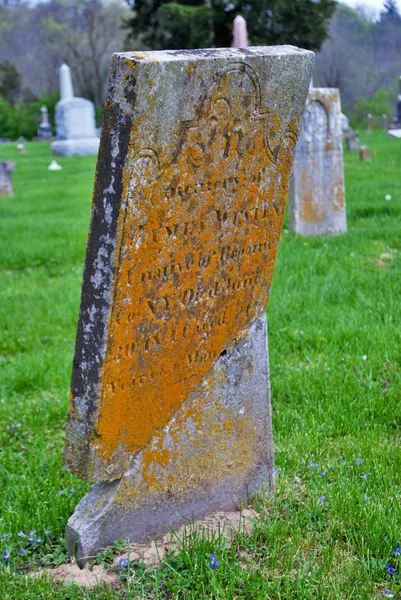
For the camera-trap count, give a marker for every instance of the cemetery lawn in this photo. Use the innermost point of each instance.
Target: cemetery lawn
(333, 529)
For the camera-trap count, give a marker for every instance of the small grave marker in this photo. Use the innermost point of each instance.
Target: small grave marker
(6, 183)
(364, 153)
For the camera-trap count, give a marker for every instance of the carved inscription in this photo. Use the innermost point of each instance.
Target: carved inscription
(196, 253)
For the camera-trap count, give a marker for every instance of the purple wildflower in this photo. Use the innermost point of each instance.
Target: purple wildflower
(387, 594)
(213, 562)
(365, 475)
(314, 465)
(322, 500)
(123, 562)
(6, 554)
(22, 552)
(390, 570)
(358, 461)
(397, 551)
(323, 473)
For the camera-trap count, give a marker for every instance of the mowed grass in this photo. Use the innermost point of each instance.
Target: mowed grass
(334, 336)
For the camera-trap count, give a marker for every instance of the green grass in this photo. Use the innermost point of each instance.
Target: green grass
(335, 339)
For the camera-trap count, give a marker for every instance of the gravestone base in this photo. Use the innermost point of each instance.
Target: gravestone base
(214, 453)
(75, 147)
(394, 133)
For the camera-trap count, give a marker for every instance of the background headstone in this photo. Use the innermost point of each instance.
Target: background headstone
(364, 153)
(317, 190)
(44, 129)
(370, 123)
(240, 32)
(170, 408)
(75, 121)
(6, 184)
(353, 143)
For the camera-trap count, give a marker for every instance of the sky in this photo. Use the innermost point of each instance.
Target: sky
(376, 4)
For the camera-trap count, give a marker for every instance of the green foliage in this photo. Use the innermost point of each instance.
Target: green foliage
(377, 106)
(184, 26)
(303, 23)
(10, 82)
(196, 24)
(23, 119)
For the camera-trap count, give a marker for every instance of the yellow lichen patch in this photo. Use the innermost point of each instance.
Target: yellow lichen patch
(221, 445)
(310, 210)
(195, 257)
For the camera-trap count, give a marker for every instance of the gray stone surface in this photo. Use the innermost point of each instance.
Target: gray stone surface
(75, 121)
(76, 147)
(394, 133)
(199, 481)
(170, 407)
(6, 184)
(317, 191)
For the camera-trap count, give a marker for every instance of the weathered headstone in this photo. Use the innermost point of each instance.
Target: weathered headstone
(6, 184)
(170, 408)
(44, 129)
(75, 121)
(364, 153)
(317, 191)
(353, 142)
(240, 33)
(345, 126)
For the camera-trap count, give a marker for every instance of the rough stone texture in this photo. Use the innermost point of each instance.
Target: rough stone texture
(170, 385)
(6, 184)
(214, 452)
(75, 121)
(317, 191)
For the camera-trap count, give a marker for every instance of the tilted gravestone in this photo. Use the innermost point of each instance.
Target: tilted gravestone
(6, 183)
(317, 190)
(170, 407)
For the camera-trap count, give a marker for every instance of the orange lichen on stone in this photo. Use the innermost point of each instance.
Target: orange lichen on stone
(196, 252)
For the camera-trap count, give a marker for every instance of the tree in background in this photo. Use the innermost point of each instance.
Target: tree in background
(361, 57)
(161, 24)
(390, 12)
(38, 37)
(10, 83)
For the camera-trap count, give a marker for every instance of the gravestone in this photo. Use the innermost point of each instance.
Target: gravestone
(170, 404)
(44, 129)
(364, 153)
(370, 123)
(353, 142)
(75, 121)
(317, 191)
(6, 184)
(240, 33)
